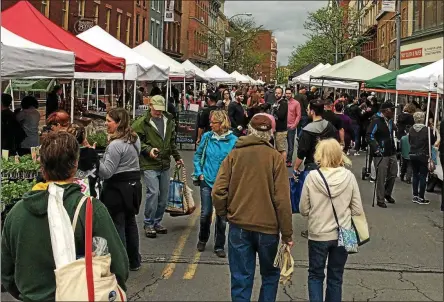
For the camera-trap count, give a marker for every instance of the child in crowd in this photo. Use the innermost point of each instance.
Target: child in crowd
(406, 168)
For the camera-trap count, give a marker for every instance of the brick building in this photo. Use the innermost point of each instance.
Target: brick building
(194, 34)
(172, 33)
(267, 44)
(122, 19)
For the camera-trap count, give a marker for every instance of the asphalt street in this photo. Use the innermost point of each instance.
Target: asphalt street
(402, 262)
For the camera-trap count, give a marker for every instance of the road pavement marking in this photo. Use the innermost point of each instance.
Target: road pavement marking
(170, 267)
(191, 269)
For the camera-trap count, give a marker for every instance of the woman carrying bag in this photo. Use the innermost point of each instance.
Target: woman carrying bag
(213, 148)
(330, 198)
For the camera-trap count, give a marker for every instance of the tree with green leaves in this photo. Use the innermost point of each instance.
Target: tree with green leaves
(315, 50)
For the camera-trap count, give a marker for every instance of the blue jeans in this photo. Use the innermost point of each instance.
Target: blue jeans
(206, 214)
(318, 251)
(157, 186)
(291, 135)
(419, 176)
(357, 133)
(302, 123)
(242, 248)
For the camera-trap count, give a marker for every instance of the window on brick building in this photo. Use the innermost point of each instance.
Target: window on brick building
(158, 34)
(143, 29)
(45, 8)
(404, 23)
(177, 42)
(128, 30)
(159, 5)
(153, 24)
(428, 14)
(96, 13)
(153, 5)
(119, 25)
(82, 8)
(65, 14)
(108, 19)
(137, 28)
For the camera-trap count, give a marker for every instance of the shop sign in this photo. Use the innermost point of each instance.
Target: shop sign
(422, 52)
(82, 25)
(388, 6)
(169, 11)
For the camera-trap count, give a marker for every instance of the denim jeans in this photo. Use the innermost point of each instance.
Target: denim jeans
(242, 248)
(126, 227)
(419, 176)
(302, 123)
(318, 252)
(291, 135)
(157, 186)
(206, 214)
(357, 135)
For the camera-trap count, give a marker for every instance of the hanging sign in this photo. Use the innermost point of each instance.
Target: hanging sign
(388, 6)
(227, 45)
(169, 11)
(82, 25)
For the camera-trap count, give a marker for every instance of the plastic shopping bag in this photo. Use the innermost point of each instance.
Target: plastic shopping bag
(296, 191)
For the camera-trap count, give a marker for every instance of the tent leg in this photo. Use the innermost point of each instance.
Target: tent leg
(396, 107)
(124, 92)
(72, 100)
(435, 118)
(167, 92)
(428, 110)
(97, 95)
(134, 99)
(87, 94)
(64, 91)
(112, 94)
(171, 90)
(194, 88)
(12, 94)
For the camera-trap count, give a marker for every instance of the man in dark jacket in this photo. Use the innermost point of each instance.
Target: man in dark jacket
(203, 122)
(355, 114)
(280, 112)
(383, 148)
(301, 97)
(236, 114)
(270, 97)
(12, 131)
(53, 99)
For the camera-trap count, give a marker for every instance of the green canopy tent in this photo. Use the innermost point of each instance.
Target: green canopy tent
(28, 85)
(388, 81)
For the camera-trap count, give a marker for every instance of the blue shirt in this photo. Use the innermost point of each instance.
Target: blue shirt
(217, 148)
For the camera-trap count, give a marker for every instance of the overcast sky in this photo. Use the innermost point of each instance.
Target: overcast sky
(285, 18)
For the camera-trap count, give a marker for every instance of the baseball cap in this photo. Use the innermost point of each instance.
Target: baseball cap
(261, 122)
(158, 102)
(387, 105)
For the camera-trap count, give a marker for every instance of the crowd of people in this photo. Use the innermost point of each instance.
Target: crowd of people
(268, 128)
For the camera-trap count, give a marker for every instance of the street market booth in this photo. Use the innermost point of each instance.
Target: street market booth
(240, 78)
(188, 65)
(302, 71)
(25, 20)
(216, 74)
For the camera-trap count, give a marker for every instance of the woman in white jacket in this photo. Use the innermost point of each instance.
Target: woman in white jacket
(322, 227)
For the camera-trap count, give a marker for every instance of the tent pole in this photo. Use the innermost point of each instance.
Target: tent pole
(112, 94)
(87, 94)
(97, 95)
(396, 106)
(386, 94)
(435, 118)
(194, 86)
(428, 110)
(322, 88)
(134, 99)
(171, 90)
(309, 83)
(167, 92)
(184, 89)
(64, 91)
(124, 92)
(72, 101)
(12, 94)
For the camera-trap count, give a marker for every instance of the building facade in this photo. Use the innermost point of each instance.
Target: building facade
(267, 44)
(218, 35)
(172, 32)
(156, 24)
(194, 34)
(140, 21)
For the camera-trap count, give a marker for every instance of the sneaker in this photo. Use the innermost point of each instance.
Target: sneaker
(356, 153)
(415, 199)
(390, 199)
(160, 229)
(381, 205)
(348, 153)
(201, 246)
(372, 180)
(304, 234)
(150, 232)
(135, 269)
(423, 201)
(220, 253)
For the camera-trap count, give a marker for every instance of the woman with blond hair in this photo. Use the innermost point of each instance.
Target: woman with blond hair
(317, 202)
(213, 148)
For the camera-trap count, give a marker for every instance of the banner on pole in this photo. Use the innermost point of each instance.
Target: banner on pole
(388, 6)
(169, 11)
(227, 45)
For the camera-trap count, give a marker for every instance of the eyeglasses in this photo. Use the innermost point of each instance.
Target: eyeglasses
(212, 123)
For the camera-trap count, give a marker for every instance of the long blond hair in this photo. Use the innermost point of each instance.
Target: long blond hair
(329, 154)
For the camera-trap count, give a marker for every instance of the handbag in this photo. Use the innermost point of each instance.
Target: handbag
(180, 197)
(361, 227)
(89, 278)
(346, 237)
(430, 165)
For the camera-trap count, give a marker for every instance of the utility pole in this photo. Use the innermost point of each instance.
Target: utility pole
(398, 35)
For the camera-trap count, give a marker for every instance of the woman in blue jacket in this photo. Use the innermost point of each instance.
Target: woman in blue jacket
(213, 148)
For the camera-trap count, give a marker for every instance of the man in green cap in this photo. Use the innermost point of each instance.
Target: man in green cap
(157, 136)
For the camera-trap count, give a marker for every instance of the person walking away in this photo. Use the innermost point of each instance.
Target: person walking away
(406, 165)
(301, 97)
(12, 132)
(330, 116)
(293, 119)
(355, 113)
(203, 122)
(280, 112)
(122, 189)
(254, 106)
(256, 216)
(157, 135)
(322, 226)
(24, 247)
(53, 99)
(214, 147)
(421, 139)
(383, 148)
(405, 120)
(270, 96)
(236, 114)
(28, 117)
(347, 126)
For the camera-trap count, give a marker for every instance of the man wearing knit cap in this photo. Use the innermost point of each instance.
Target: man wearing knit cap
(258, 215)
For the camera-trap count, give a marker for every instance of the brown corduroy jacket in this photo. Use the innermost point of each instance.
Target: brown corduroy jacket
(252, 189)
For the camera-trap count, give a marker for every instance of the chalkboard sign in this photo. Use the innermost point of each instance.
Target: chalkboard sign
(187, 128)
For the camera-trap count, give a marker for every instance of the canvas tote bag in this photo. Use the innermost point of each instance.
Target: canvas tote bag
(89, 278)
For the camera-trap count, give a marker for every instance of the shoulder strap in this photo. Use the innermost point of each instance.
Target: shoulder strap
(76, 214)
(329, 195)
(202, 159)
(430, 142)
(88, 249)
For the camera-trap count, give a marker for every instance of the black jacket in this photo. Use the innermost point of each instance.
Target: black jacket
(52, 103)
(270, 97)
(404, 120)
(236, 114)
(204, 118)
(419, 140)
(354, 112)
(303, 101)
(380, 136)
(311, 135)
(88, 165)
(280, 112)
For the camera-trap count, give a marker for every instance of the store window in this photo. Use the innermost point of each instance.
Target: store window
(137, 28)
(428, 14)
(108, 19)
(65, 14)
(96, 13)
(128, 30)
(119, 25)
(158, 35)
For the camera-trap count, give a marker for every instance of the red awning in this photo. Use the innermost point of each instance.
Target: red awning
(26, 21)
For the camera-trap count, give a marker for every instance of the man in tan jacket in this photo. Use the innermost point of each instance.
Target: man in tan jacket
(252, 191)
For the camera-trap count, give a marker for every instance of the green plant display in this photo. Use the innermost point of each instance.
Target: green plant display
(100, 138)
(14, 190)
(26, 168)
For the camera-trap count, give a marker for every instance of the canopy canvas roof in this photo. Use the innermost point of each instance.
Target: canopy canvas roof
(26, 21)
(423, 79)
(137, 66)
(304, 78)
(197, 71)
(216, 74)
(252, 81)
(239, 77)
(150, 52)
(388, 80)
(357, 69)
(21, 58)
(303, 70)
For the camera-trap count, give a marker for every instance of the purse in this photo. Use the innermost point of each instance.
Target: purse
(180, 197)
(346, 237)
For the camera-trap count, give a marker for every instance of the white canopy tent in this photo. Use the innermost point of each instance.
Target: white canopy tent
(177, 70)
(216, 74)
(260, 82)
(21, 58)
(305, 79)
(137, 66)
(239, 77)
(422, 79)
(252, 81)
(357, 69)
(440, 87)
(188, 65)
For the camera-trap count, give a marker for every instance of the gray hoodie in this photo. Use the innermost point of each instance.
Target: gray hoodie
(315, 202)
